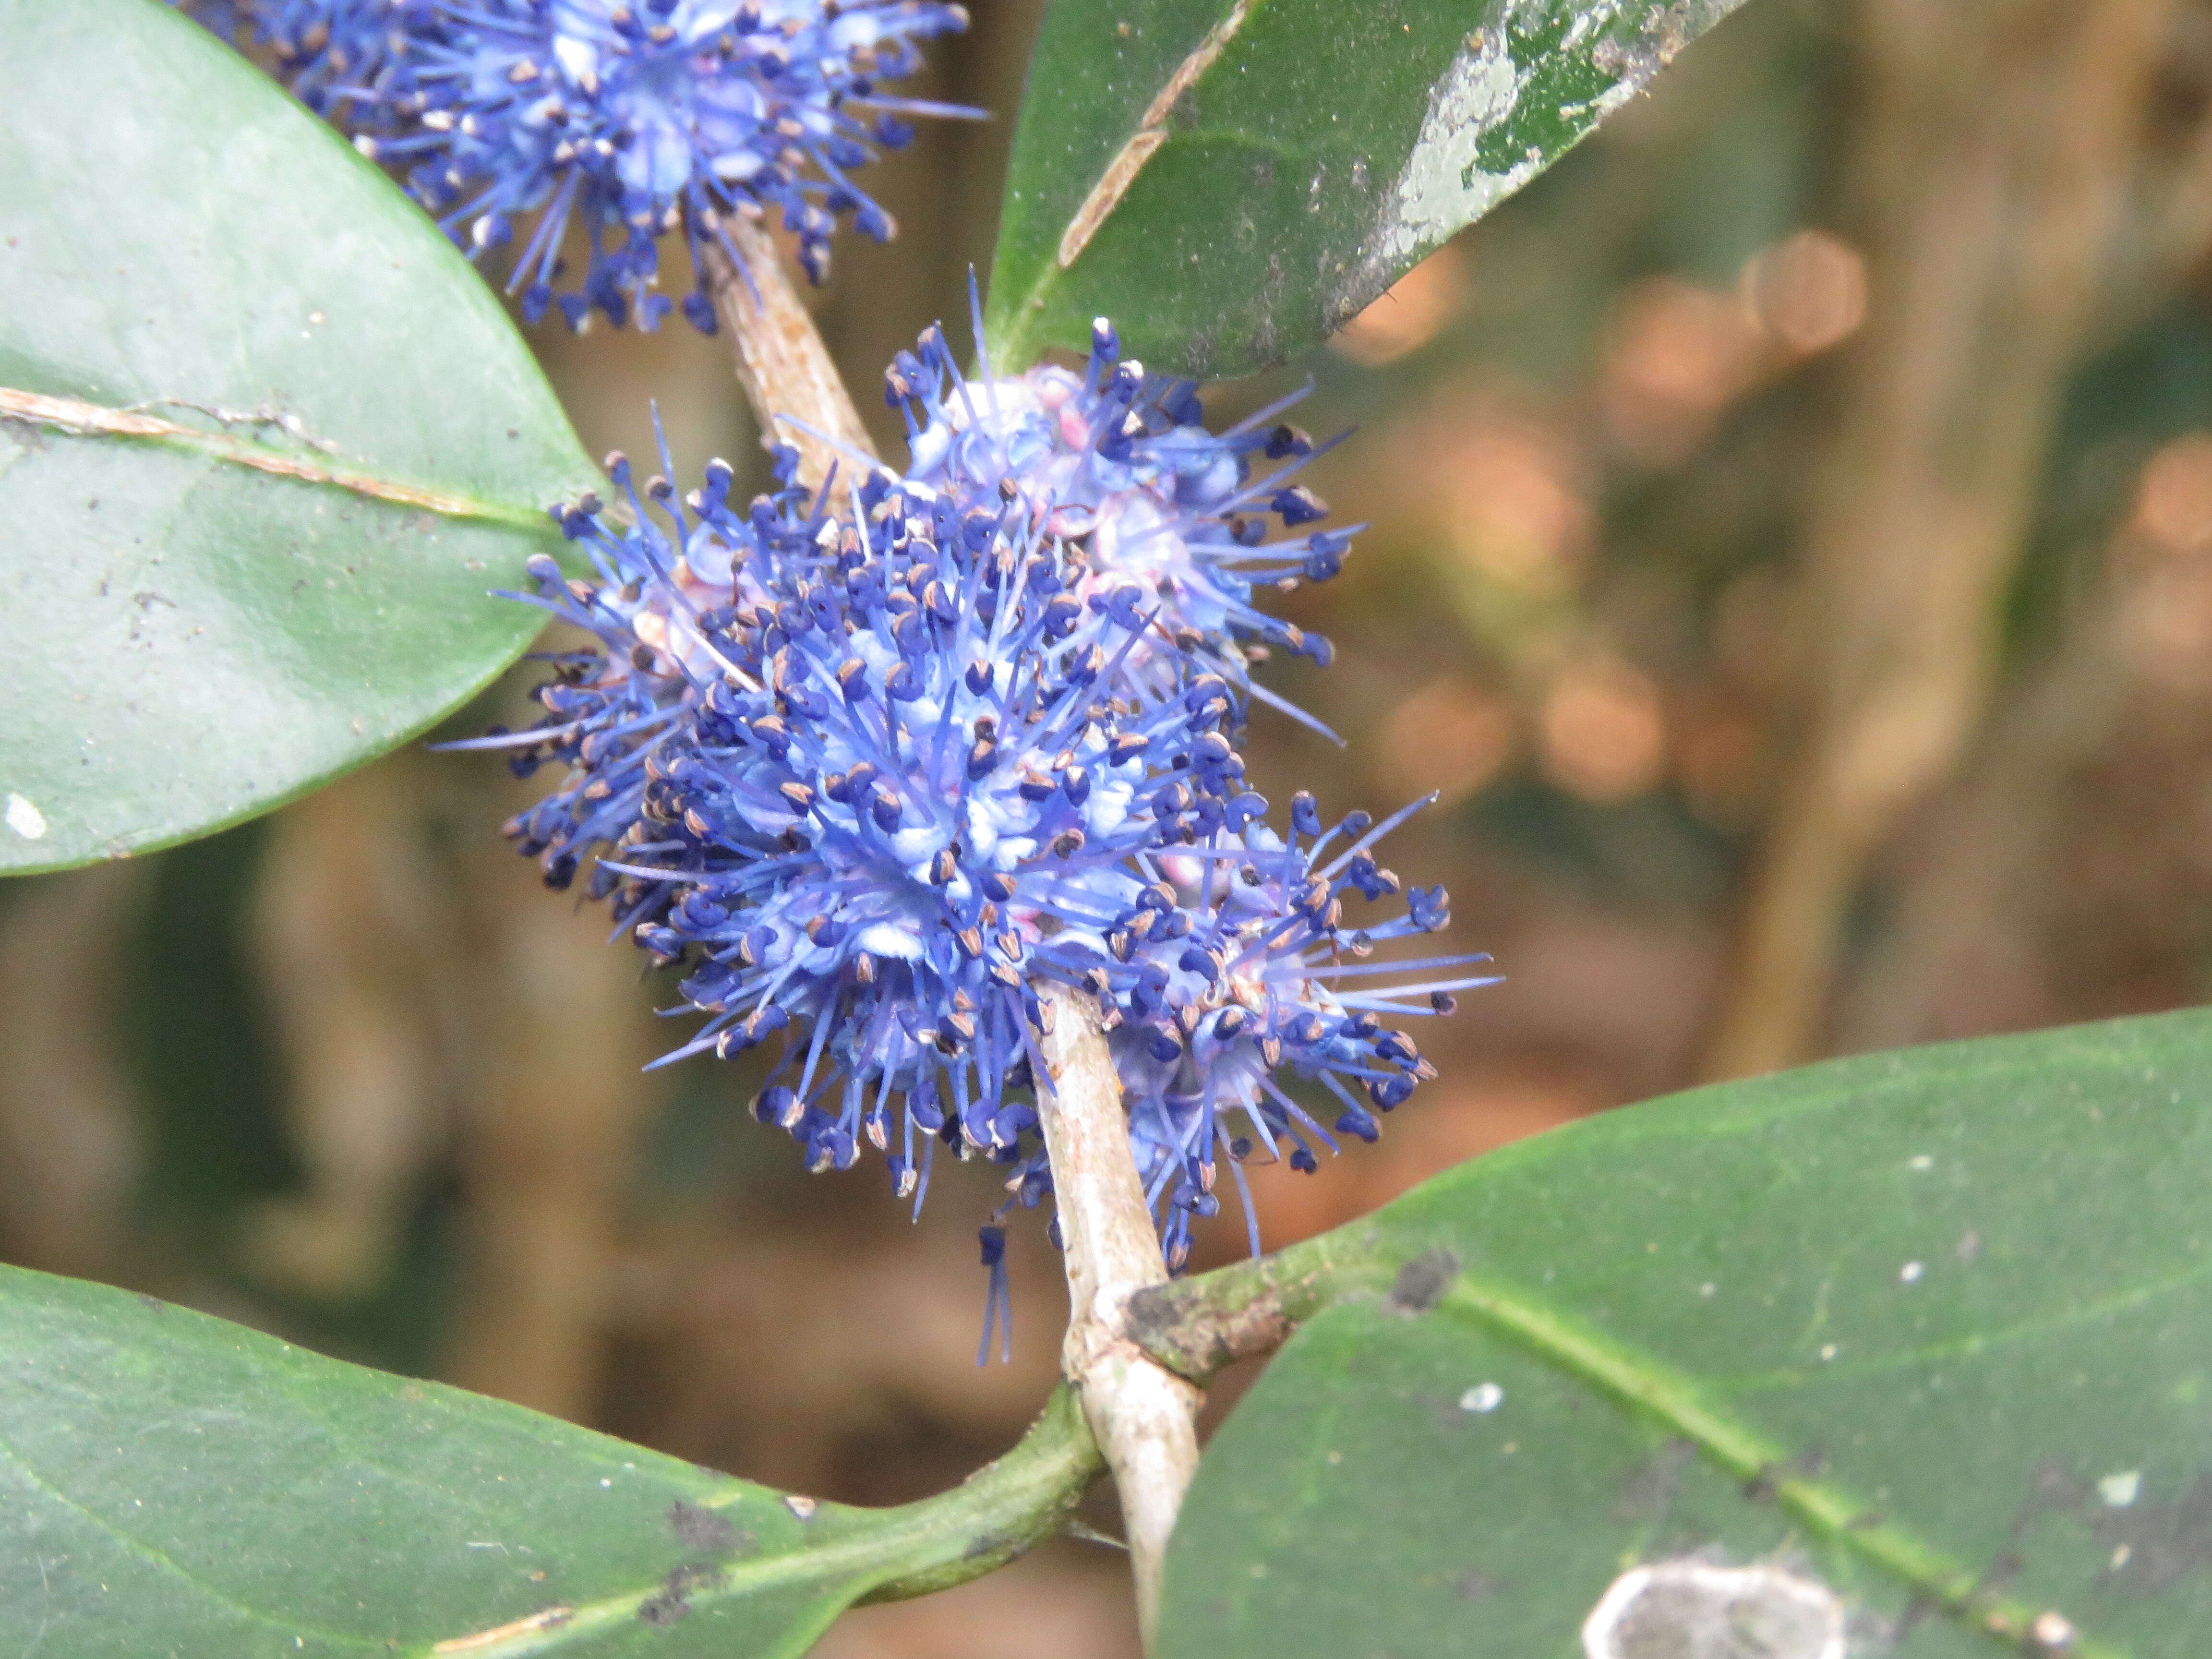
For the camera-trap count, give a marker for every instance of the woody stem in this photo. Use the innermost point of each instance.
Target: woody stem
(1143, 1415)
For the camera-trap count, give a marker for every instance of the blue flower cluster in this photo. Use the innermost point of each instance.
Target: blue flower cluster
(629, 119)
(340, 57)
(868, 774)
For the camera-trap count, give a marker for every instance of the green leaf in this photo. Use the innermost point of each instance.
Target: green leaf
(171, 1484)
(1231, 182)
(205, 613)
(1929, 1331)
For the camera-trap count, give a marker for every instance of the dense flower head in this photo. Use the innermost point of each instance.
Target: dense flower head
(863, 776)
(931, 775)
(1120, 462)
(631, 118)
(852, 773)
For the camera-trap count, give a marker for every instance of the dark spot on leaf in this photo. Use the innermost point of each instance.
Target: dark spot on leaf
(673, 1598)
(1422, 1282)
(153, 1301)
(1443, 1412)
(2149, 1546)
(2001, 1571)
(701, 1528)
(1148, 1315)
(2052, 1486)
(1920, 1608)
(1647, 1492)
(1475, 1585)
(983, 1545)
(1762, 1486)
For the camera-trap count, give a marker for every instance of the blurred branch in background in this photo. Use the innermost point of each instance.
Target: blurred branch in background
(352, 937)
(2101, 767)
(563, 1031)
(70, 1150)
(1992, 150)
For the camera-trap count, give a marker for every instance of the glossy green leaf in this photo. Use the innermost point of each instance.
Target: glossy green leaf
(288, 439)
(172, 1484)
(1231, 182)
(1929, 1332)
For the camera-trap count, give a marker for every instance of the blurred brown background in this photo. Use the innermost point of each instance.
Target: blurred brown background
(1791, 557)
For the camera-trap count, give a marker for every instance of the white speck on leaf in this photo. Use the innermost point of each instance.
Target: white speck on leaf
(1910, 1273)
(1707, 1290)
(1920, 1161)
(25, 819)
(2051, 1632)
(1827, 1350)
(1482, 1397)
(606, 1483)
(2120, 1489)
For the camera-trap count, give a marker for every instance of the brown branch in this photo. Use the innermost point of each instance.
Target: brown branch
(2063, 875)
(1987, 219)
(785, 370)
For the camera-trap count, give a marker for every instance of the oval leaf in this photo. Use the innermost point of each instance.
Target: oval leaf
(265, 440)
(171, 1483)
(1913, 1350)
(1231, 182)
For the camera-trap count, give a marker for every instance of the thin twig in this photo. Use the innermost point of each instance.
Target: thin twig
(1144, 1416)
(1195, 1326)
(785, 370)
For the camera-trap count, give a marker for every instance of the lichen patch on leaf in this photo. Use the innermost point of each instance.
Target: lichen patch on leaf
(1693, 1609)
(1442, 185)
(1519, 94)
